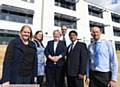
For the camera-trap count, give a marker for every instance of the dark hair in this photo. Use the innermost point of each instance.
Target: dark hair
(37, 33)
(73, 32)
(23, 27)
(95, 26)
(64, 25)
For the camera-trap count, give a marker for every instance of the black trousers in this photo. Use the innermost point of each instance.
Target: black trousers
(74, 82)
(54, 76)
(99, 79)
(40, 80)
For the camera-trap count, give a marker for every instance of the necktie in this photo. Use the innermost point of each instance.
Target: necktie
(64, 39)
(96, 47)
(71, 47)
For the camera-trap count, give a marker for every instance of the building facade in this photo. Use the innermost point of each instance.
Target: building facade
(48, 15)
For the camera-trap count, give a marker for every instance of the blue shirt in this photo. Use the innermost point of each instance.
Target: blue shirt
(106, 58)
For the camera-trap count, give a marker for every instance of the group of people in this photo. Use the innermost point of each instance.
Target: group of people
(66, 57)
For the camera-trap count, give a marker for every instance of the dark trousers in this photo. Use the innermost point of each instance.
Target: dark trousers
(74, 82)
(17, 79)
(54, 76)
(99, 79)
(40, 80)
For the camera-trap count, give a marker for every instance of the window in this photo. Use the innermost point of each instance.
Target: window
(60, 19)
(16, 17)
(117, 45)
(24, 0)
(31, 1)
(92, 23)
(94, 11)
(7, 35)
(69, 4)
(116, 31)
(115, 17)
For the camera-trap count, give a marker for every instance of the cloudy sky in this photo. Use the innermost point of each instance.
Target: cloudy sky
(109, 4)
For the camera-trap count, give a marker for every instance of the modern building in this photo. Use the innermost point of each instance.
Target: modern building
(48, 15)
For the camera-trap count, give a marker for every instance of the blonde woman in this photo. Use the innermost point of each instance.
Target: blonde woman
(19, 65)
(55, 52)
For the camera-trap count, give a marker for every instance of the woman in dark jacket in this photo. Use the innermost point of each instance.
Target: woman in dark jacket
(55, 52)
(19, 66)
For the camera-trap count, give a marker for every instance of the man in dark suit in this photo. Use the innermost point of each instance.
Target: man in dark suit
(76, 61)
(55, 52)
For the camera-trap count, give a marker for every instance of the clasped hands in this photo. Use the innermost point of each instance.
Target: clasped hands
(55, 58)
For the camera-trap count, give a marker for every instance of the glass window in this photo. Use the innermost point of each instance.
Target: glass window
(94, 11)
(115, 17)
(16, 17)
(117, 45)
(58, 21)
(24, 0)
(116, 31)
(31, 1)
(69, 4)
(7, 35)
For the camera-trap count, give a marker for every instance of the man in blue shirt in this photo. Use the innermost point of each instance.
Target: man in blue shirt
(102, 67)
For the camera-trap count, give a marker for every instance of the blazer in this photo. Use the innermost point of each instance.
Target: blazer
(77, 59)
(60, 50)
(14, 57)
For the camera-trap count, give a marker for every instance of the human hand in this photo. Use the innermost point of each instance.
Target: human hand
(6, 84)
(87, 81)
(112, 84)
(56, 58)
(80, 76)
(35, 80)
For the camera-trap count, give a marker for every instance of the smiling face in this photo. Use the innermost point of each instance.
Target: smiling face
(25, 33)
(96, 33)
(39, 36)
(73, 36)
(56, 35)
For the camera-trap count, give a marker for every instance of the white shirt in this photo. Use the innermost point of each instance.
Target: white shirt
(55, 46)
(74, 43)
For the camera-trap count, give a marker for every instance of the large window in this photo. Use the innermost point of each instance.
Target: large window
(69, 4)
(31, 1)
(60, 20)
(117, 45)
(7, 35)
(16, 17)
(116, 31)
(115, 17)
(95, 11)
(92, 23)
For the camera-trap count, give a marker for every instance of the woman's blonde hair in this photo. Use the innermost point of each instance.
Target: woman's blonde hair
(27, 26)
(57, 31)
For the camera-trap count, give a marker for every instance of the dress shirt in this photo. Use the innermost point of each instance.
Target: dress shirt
(73, 44)
(107, 59)
(55, 46)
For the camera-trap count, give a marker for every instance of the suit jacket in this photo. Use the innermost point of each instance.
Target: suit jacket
(77, 60)
(60, 50)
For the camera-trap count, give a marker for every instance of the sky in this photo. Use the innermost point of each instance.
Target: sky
(113, 5)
